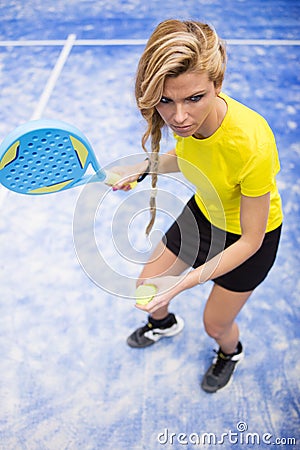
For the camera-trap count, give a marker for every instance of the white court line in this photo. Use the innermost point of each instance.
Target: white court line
(133, 42)
(44, 98)
(56, 71)
(263, 42)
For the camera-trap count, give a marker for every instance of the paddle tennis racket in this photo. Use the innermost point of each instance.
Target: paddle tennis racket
(44, 156)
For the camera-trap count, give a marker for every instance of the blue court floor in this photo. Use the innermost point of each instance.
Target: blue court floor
(68, 379)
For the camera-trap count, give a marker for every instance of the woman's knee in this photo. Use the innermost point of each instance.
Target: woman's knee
(213, 327)
(213, 330)
(221, 310)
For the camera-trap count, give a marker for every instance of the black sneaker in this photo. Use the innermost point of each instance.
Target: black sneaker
(219, 373)
(155, 330)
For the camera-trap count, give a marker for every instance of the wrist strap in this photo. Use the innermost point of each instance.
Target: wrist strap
(147, 171)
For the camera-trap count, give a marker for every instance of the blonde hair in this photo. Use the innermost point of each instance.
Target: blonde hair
(175, 47)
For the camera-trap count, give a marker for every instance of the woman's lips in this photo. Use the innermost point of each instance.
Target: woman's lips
(182, 129)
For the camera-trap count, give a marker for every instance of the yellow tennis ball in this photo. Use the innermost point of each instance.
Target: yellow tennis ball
(145, 293)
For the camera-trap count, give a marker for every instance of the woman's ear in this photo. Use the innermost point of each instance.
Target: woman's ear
(218, 88)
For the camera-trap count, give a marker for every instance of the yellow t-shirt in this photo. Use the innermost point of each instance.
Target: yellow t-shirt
(240, 158)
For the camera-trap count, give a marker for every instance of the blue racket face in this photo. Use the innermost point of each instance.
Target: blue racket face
(45, 156)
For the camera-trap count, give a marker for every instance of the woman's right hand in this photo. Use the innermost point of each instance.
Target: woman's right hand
(128, 175)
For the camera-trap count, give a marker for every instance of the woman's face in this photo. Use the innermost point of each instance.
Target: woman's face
(190, 105)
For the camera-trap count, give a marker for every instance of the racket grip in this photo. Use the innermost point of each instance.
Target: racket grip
(113, 178)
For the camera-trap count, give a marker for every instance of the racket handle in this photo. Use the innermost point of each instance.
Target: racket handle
(113, 178)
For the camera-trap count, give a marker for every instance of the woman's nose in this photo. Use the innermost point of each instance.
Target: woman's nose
(180, 114)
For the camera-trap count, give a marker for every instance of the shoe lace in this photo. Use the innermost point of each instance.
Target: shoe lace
(219, 364)
(148, 326)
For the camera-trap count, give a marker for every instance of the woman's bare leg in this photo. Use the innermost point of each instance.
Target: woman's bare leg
(162, 263)
(220, 312)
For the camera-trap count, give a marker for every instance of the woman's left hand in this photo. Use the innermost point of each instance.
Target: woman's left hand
(167, 288)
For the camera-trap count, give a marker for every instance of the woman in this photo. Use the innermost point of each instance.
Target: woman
(229, 231)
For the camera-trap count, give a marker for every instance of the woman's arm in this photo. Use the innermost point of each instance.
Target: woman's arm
(253, 218)
(167, 163)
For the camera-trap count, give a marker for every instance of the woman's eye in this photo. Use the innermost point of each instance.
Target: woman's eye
(165, 100)
(196, 98)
